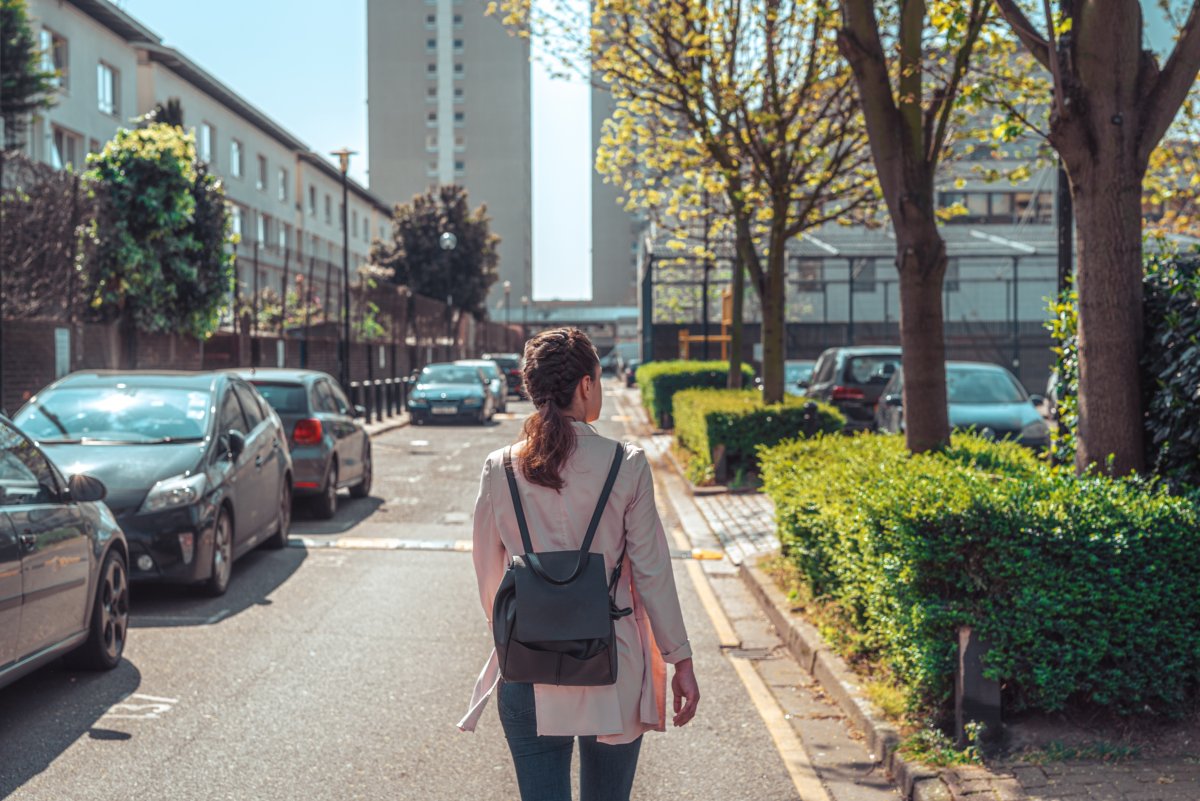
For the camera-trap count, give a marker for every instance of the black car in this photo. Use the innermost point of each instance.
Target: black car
(852, 379)
(629, 371)
(330, 446)
(447, 391)
(510, 365)
(64, 585)
(196, 464)
(984, 398)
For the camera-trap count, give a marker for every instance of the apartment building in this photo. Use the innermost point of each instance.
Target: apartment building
(448, 97)
(285, 200)
(615, 232)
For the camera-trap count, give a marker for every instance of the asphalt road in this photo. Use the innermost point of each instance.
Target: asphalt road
(339, 673)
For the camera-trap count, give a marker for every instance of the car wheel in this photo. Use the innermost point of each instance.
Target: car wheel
(222, 559)
(110, 618)
(363, 488)
(280, 538)
(325, 505)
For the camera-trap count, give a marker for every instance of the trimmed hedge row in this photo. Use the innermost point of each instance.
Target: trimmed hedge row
(737, 419)
(1084, 586)
(659, 381)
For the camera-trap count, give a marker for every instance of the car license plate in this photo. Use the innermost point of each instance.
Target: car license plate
(445, 410)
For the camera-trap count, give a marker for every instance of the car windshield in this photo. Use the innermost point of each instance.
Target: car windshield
(507, 362)
(872, 369)
(284, 398)
(120, 413)
(489, 369)
(982, 385)
(449, 374)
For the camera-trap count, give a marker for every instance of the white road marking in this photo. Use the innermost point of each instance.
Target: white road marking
(140, 706)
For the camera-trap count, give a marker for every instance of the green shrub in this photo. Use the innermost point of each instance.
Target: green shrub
(1170, 375)
(737, 419)
(659, 381)
(1084, 586)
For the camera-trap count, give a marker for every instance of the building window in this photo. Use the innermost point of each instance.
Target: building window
(284, 234)
(354, 222)
(862, 274)
(458, 94)
(261, 228)
(460, 166)
(459, 118)
(458, 20)
(261, 182)
(430, 22)
(66, 147)
(366, 228)
(431, 44)
(54, 57)
(1000, 208)
(341, 216)
(431, 170)
(458, 45)
(809, 273)
(382, 230)
(458, 70)
(205, 143)
(431, 93)
(460, 143)
(106, 89)
(94, 146)
(235, 158)
(235, 220)
(328, 210)
(431, 69)
(283, 184)
(431, 143)
(431, 119)
(312, 201)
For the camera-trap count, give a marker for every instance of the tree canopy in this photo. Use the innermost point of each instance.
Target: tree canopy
(25, 86)
(418, 259)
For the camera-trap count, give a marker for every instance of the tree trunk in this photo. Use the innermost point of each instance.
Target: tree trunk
(921, 262)
(1108, 215)
(774, 325)
(736, 303)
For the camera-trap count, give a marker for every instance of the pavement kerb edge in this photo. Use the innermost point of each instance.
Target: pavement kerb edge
(401, 421)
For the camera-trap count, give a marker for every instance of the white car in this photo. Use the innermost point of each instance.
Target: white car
(496, 379)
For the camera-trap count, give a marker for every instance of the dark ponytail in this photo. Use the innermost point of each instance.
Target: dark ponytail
(555, 362)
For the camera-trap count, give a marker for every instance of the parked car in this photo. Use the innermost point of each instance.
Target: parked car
(330, 447)
(445, 391)
(499, 384)
(852, 379)
(510, 365)
(630, 371)
(796, 375)
(985, 398)
(196, 464)
(64, 577)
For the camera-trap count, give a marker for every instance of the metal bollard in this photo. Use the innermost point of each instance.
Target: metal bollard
(355, 399)
(378, 401)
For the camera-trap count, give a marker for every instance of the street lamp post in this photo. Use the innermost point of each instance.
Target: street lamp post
(447, 242)
(524, 316)
(507, 292)
(344, 351)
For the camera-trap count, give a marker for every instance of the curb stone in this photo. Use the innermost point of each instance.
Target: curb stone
(400, 421)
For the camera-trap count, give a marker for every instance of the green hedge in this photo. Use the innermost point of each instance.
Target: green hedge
(659, 381)
(1170, 375)
(1085, 587)
(737, 419)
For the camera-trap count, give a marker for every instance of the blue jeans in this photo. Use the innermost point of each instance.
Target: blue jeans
(544, 763)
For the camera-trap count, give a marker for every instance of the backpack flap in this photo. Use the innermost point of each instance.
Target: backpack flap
(576, 610)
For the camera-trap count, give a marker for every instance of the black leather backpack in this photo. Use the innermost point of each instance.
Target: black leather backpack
(552, 619)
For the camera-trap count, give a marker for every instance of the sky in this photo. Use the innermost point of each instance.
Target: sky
(304, 64)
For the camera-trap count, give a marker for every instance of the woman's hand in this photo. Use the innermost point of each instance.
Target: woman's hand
(686, 692)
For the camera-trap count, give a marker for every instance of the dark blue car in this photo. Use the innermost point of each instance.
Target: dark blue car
(196, 465)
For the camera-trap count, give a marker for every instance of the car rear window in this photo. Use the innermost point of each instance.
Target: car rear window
(870, 368)
(284, 398)
(508, 363)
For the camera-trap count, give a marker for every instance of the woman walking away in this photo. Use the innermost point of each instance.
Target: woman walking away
(567, 496)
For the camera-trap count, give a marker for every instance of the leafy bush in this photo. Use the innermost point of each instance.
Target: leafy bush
(659, 381)
(1170, 375)
(737, 419)
(1084, 586)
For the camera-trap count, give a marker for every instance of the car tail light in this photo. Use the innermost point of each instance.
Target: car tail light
(307, 432)
(847, 394)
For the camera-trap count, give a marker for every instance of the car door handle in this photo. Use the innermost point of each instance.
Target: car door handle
(28, 541)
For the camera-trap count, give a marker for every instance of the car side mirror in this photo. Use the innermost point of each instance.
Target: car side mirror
(359, 411)
(1037, 400)
(894, 400)
(237, 443)
(86, 489)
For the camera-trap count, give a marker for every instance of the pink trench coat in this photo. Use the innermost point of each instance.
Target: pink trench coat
(653, 635)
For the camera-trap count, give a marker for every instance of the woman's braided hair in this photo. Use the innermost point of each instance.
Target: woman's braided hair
(555, 362)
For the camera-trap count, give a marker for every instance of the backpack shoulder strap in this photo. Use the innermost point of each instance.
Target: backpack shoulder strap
(516, 499)
(618, 457)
